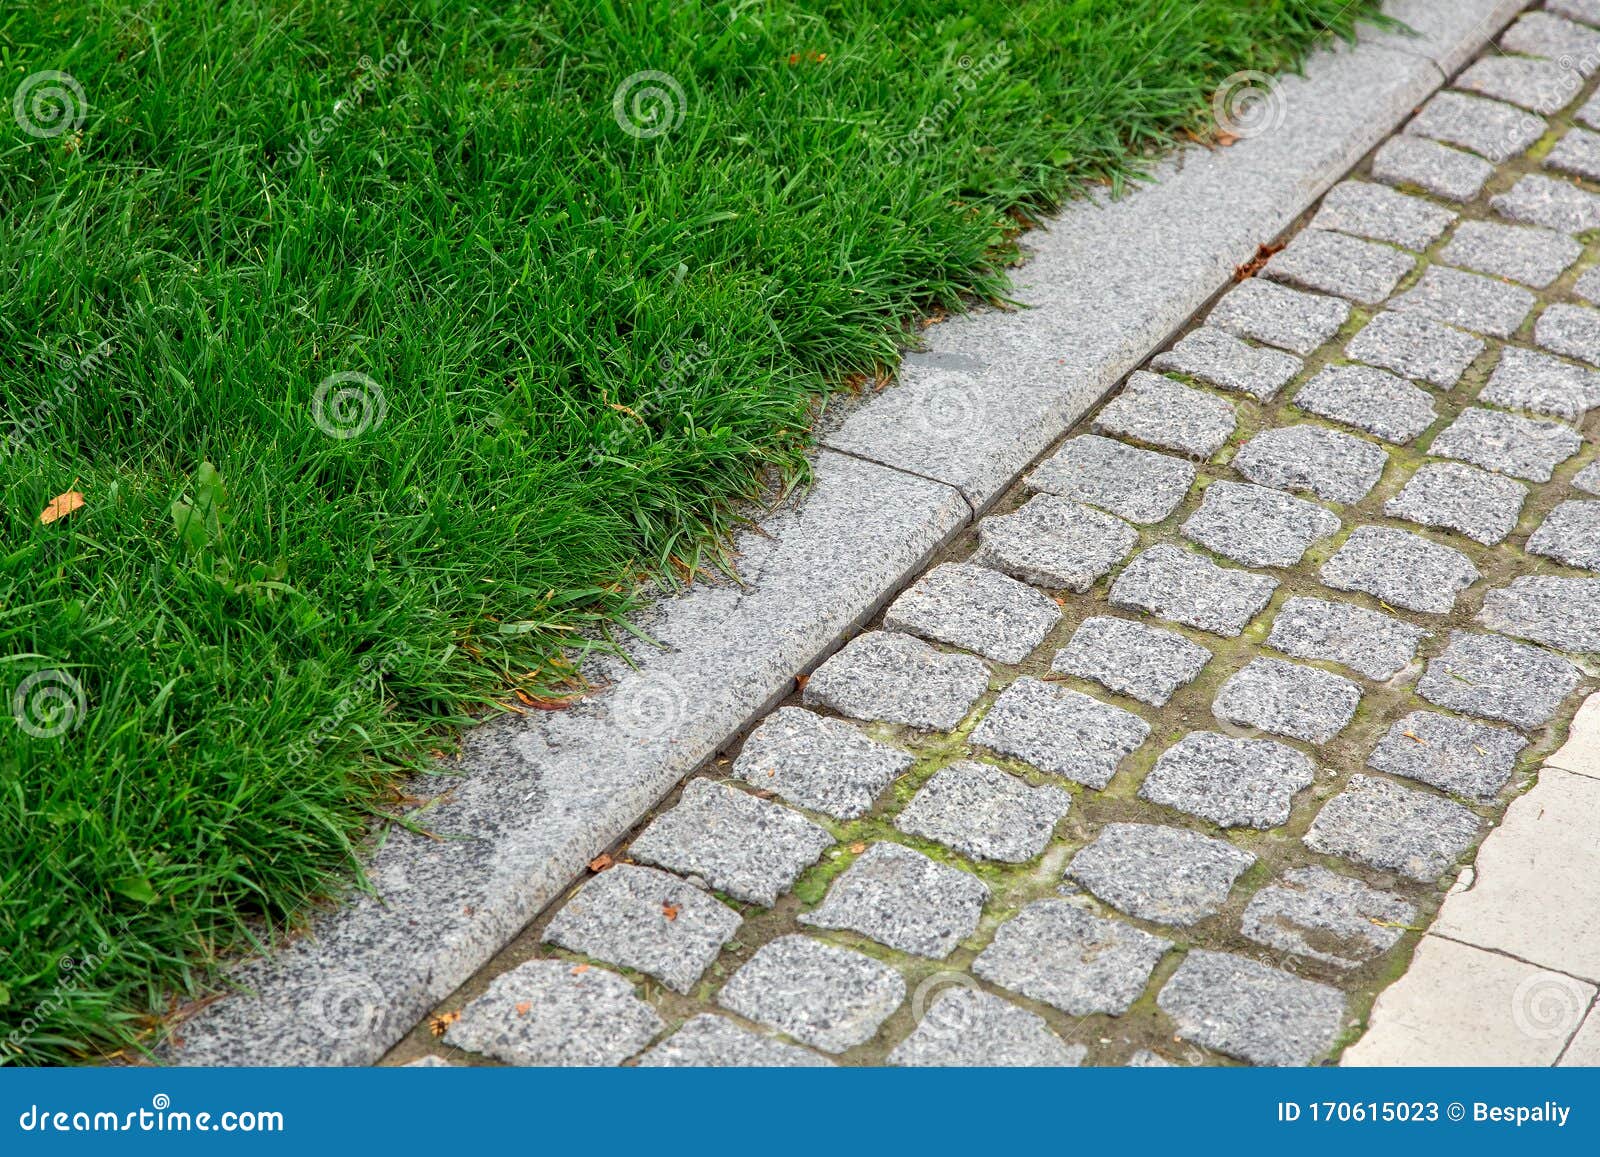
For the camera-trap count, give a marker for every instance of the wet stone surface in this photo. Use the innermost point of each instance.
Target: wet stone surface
(1571, 534)
(1231, 782)
(1401, 569)
(975, 608)
(1495, 678)
(1168, 415)
(985, 813)
(899, 897)
(966, 1027)
(1369, 399)
(1220, 359)
(1276, 315)
(1174, 584)
(1363, 271)
(822, 764)
(1335, 467)
(1376, 645)
(897, 679)
(1322, 915)
(1056, 953)
(1460, 756)
(825, 996)
(1528, 448)
(1393, 828)
(1303, 703)
(1054, 542)
(1250, 1010)
(1062, 731)
(1558, 612)
(1158, 873)
(1480, 505)
(1257, 525)
(1148, 663)
(1415, 347)
(1139, 485)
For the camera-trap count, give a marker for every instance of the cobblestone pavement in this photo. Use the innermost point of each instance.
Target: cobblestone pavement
(1175, 758)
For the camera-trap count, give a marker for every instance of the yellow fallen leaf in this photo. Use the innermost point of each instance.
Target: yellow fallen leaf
(61, 506)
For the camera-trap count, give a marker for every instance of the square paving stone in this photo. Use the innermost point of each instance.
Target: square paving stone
(822, 764)
(1415, 347)
(1056, 953)
(1171, 583)
(1540, 86)
(1165, 875)
(1480, 505)
(976, 608)
(750, 848)
(967, 1027)
(1061, 731)
(1257, 525)
(1573, 330)
(1525, 379)
(1335, 467)
(1588, 285)
(1493, 130)
(1148, 663)
(1378, 212)
(1363, 271)
(1467, 300)
(899, 897)
(893, 677)
(1168, 415)
(1368, 399)
(1401, 569)
(1588, 479)
(1577, 153)
(1322, 915)
(1570, 534)
(645, 919)
(1556, 204)
(1589, 112)
(1376, 645)
(1219, 358)
(1250, 1010)
(1494, 678)
(1454, 755)
(715, 1042)
(1545, 34)
(1139, 485)
(1054, 542)
(1393, 829)
(1288, 699)
(984, 813)
(1277, 315)
(1432, 167)
(1231, 782)
(1585, 11)
(1524, 253)
(546, 1012)
(1528, 448)
(1558, 612)
(827, 997)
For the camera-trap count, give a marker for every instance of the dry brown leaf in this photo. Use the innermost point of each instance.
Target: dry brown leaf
(579, 969)
(600, 863)
(670, 911)
(1225, 138)
(523, 1006)
(437, 1025)
(858, 848)
(61, 506)
(1414, 737)
(800, 682)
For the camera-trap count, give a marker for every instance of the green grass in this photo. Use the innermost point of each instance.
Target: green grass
(589, 346)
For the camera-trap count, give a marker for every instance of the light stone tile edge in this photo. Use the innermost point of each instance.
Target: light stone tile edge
(538, 796)
(1108, 281)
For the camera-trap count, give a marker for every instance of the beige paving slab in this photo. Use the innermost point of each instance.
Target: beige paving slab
(1581, 752)
(1536, 887)
(1584, 1051)
(1459, 1005)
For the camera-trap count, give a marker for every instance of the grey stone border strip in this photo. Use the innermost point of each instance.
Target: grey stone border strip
(532, 798)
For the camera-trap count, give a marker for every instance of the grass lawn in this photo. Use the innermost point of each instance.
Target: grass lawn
(391, 353)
